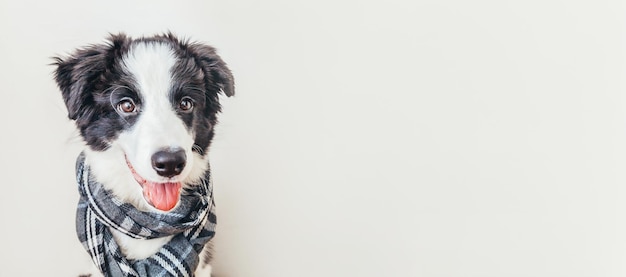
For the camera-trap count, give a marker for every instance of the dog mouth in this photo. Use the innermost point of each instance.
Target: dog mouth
(163, 196)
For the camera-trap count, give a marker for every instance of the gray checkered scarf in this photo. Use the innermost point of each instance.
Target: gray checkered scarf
(192, 223)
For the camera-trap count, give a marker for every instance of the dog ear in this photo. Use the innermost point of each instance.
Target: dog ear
(78, 74)
(75, 75)
(217, 76)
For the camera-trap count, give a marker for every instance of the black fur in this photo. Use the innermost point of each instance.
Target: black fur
(92, 82)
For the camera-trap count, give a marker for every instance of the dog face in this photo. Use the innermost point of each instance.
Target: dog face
(146, 109)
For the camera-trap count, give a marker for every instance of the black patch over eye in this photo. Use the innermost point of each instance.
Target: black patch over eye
(126, 106)
(186, 104)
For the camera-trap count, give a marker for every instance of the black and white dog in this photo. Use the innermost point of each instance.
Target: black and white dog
(146, 109)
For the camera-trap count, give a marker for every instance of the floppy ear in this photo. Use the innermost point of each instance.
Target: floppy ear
(75, 76)
(78, 74)
(217, 76)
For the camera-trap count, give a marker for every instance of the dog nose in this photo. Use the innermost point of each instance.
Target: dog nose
(168, 163)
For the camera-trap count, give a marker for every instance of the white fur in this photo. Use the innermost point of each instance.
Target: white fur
(157, 128)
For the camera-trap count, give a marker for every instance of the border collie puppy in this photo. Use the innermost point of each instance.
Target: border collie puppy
(146, 109)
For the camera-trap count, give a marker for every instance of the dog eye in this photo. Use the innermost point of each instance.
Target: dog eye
(186, 104)
(126, 106)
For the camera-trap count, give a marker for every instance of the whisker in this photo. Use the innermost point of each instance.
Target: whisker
(197, 149)
(115, 88)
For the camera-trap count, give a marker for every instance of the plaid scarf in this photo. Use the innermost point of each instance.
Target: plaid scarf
(192, 223)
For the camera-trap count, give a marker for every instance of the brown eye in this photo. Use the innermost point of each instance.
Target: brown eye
(126, 106)
(186, 104)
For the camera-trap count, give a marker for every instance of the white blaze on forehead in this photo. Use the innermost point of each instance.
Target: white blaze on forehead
(150, 65)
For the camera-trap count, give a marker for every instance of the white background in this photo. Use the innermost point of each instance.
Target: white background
(388, 138)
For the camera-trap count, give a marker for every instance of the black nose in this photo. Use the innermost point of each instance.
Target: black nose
(168, 163)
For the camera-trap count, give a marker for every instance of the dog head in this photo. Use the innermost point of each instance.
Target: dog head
(146, 109)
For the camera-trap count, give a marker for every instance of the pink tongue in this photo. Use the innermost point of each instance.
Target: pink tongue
(162, 196)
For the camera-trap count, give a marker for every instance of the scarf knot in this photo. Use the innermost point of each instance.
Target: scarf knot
(191, 223)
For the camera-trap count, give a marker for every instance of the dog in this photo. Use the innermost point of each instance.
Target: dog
(146, 109)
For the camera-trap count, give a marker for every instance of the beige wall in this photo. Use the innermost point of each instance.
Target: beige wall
(387, 138)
